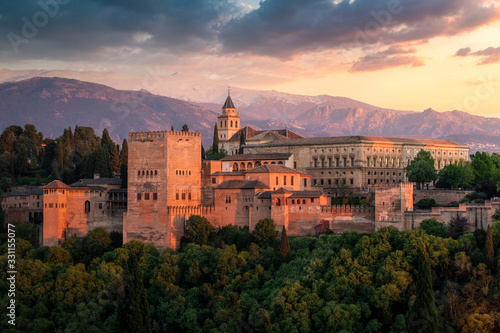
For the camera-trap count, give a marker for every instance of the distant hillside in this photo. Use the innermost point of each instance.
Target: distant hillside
(56, 103)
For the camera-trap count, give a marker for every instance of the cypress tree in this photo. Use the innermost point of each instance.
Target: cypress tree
(202, 153)
(133, 308)
(489, 251)
(284, 246)
(185, 128)
(172, 128)
(124, 152)
(423, 313)
(115, 161)
(215, 144)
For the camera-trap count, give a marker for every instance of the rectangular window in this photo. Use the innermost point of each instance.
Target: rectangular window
(322, 181)
(345, 161)
(291, 180)
(305, 182)
(314, 182)
(176, 196)
(352, 181)
(284, 180)
(337, 162)
(100, 206)
(312, 200)
(213, 180)
(352, 161)
(183, 196)
(276, 180)
(330, 162)
(295, 165)
(139, 196)
(329, 182)
(146, 196)
(51, 205)
(155, 196)
(189, 196)
(315, 162)
(323, 163)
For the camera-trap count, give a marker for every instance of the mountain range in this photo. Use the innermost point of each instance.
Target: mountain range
(54, 103)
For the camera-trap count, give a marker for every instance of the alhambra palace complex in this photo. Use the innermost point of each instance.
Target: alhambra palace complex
(274, 174)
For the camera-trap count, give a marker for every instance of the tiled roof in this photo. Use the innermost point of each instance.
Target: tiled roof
(306, 194)
(281, 190)
(229, 103)
(242, 184)
(23, 193)
(360, 139)
(251, 132)
(118, 190)
(56, 184)
(228, 173)
(256, 157)
(98, 181)
(265, 195)
(274, 168)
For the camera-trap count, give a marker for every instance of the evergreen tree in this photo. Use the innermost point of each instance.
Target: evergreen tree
(242, 142)
(215, 144)
(202, 153)
(284, 246)
(185, 128)
(489, 251)
(133, 308)
(172, 128)
(124, 175)
(114, 159)
(124, 153)
(106, 139)
(423, 314)
(102, 162)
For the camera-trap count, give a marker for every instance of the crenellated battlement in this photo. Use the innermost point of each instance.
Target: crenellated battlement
(190, 210)
(346, 208)
(160, 134)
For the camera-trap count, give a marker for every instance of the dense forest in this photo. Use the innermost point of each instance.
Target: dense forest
(230, 280)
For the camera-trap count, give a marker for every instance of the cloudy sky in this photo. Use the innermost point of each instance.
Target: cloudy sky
(402, 54)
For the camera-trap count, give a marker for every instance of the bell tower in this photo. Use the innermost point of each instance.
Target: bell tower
(228, 121)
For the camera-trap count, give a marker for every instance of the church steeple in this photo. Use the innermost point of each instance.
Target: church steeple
(228, 122)
(228, 107)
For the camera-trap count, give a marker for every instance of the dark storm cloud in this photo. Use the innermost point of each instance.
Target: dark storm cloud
(283, 28)
(68, 28)
(489, 55)
(392, 57)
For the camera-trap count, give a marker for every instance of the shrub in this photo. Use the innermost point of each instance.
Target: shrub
(426, 203)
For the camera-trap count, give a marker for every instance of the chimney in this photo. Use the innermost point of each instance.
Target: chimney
(97, 175)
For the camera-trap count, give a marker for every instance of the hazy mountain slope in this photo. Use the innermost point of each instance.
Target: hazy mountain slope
(54, 103)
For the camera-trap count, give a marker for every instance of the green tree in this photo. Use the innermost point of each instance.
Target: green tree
(489, 251)
(284, 246)
(423, 314)
(97, 242)
(496, 215)
(124, 153)
(198, 230)
(433, 227)
(124, 175)
(185, 128)
(172, 128)
(102, 162)
(483, 167)
(456, 175)
(420, 172)
(133, 308)
(265, 232)
(202, 153)
(457, 226)
(215, 143)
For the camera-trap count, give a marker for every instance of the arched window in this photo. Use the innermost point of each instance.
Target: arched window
(249, 166)
(236, 123)
(278, 202)
(225, 123)
(87, 206)
(235, 167)
(147, 173)
(242, 166)
(138, 172)
(304, 201)
(231, 123)
(221, 123)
